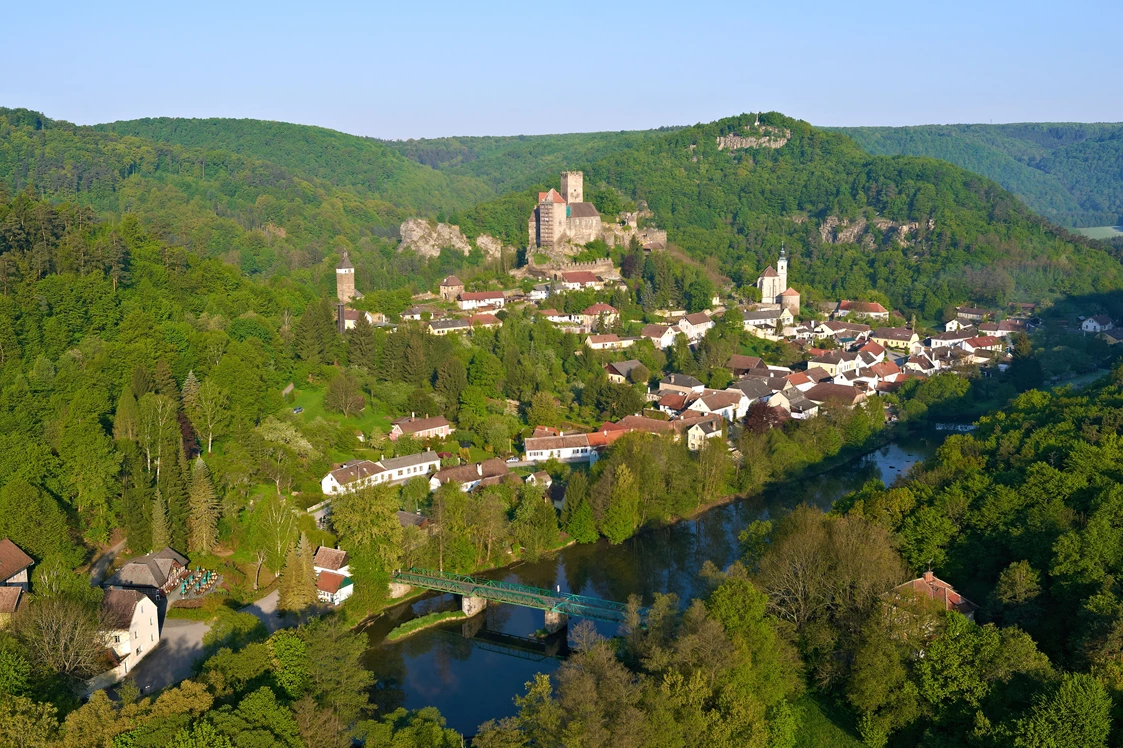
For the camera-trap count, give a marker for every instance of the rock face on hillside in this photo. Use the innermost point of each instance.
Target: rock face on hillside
(428, 239)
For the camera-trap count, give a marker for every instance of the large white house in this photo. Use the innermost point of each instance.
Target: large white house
(572, 448)
(479, 299)
(356, 474)
(131, 630)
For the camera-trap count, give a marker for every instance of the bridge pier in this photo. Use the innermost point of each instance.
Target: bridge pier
(398, 589)
(555, 621)
(472, 626)
(472, 605)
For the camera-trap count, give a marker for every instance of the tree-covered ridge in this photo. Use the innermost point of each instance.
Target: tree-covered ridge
(519, 162)
(1068, 172)
(334, 157)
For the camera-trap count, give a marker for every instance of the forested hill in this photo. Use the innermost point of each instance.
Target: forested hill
(334, 157)
(520, 161)
(918, 232)
(1071, 173)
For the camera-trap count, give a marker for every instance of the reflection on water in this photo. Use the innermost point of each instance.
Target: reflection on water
(473, 682)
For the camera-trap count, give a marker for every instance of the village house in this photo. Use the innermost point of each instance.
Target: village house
(620, 371)
(983, 343)
(731, 404)
(449, 326)
(836, 362)
(485, 321)
(1002, 328)
(579, 280)
(541, 479)
(451, 287)
(766, 319)
(417, 313)
(333, 575)
(470, 476)
(436, 427)
(599, 312)
(930, 586)
(952, 338)
(540, 292)
(741, 365)
(154, 574)
(351, 318)
(682, 383)
(970, 313)
(1099, 323)
(695, 326)
(661, 336)
(870, 309)
(608, 342)
(479, 299)
(842, 332)
(14, 566)
(835, 394)
(794, 403)
(356, 474)
(570, 448)
(130, 630)
(698, 433)
(900, 338)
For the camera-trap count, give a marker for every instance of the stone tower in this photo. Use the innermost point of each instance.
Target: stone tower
(573, 186)
(782, 268)
(345, 280)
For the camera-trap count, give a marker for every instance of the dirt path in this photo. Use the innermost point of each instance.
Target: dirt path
(102, 563)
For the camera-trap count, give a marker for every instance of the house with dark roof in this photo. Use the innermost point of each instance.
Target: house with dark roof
(1099, 323)
(470, 476)
(155, 573)
(444, 327)
(740, 365)
(835, 394)
(131, 626)
(895, 337)
(661, 336)
(15, 566)
(620, 371)
(683, 383)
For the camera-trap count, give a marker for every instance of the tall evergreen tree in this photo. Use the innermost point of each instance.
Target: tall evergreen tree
(623, 505)
(190, 391)
(141, 382)
(165, 380)
(173, 486)
(581, 525)
(203, 509)
(126, 420)
(360, 344)
(160, 537)
(307, 553)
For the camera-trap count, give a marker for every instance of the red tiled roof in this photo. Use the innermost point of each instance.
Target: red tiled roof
(937, 589)
(790, 292)
(452, 280)
(555, 198)
(330, 558)
(862, 307)
(599, 308)
(983, 341)
(872, 347)
(484, 319)
(579, 276)
(329, 582)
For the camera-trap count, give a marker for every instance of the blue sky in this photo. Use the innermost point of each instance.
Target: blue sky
(413, 69)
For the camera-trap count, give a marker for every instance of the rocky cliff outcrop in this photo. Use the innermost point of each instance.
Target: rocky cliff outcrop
(428, 239)
(844, 231)
(765, 136)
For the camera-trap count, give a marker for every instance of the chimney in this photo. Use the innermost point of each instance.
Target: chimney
(479, 469)
(929, 576)
(412, 415)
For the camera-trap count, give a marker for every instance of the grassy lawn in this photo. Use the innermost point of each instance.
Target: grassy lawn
(820, 725)
(374, 417)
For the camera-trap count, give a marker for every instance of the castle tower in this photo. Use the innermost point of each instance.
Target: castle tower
(573, 186)
(345, 280)
(782, 269)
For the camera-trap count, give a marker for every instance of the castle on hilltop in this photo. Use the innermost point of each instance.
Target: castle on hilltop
(565, 216)
(773, 285)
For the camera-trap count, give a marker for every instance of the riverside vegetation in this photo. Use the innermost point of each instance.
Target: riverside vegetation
(150, 319)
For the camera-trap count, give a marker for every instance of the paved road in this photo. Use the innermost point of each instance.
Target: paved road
(181, 644)
(103, 562)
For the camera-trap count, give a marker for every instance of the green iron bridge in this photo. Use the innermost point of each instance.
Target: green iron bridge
(475, 593)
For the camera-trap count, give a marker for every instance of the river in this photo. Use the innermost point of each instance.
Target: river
(475, 679)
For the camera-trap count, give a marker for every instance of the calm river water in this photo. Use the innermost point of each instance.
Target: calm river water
(472, 671)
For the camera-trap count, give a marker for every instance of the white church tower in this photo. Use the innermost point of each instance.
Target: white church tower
(782, 270)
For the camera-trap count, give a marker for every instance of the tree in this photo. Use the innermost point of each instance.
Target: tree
(157, 425)
(368, 518)
(165, 380)
(190, 391)
(714, 466)
(536, 523)
(1077, 714)
(452, 378)
(543, 410)
(622, 512)
(295, 594)
(61, 635)
(126, 418)
(160, 537)
(282, 444)
(344, 395)
(335, 664)
(272, 529)
(202, 521)
(208, 411)
(360, 344)
(582, 526)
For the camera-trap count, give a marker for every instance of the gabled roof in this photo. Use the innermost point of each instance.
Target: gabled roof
(331, 582)
(681, 380)
(468, 473)
(654, 331)
(698, 318)
(579, 276)
(481, 295)
(893, 333)
(744, 363)
(534, 444)
(754, 389)
(861, 307)
(599, 308)
(931, 586)
(623, 368)
(583, 210)
(769, 272)
(484, 319)
(984, 341)
(330, 558)
(871, 347)
(599, 339)
(411, 425)
(551, 196)
(152, 570)
(830, 392)
(10, 599)
(118, 605)
(12, 560)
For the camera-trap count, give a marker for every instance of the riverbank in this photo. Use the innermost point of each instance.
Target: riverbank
(424, 622)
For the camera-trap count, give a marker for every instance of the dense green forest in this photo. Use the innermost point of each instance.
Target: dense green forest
(514, 163)
(967, 238)
(1068, 172)
(333, 157)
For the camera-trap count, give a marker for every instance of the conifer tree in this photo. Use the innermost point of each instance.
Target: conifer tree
(623, 505)
(159, 522)
(307, 584)
(202, 519)
(289, 581)
(165, 381)
(360, 344)
(127, 418)
(190, 391)
(141, 382)
(173, 486)
(581, 526)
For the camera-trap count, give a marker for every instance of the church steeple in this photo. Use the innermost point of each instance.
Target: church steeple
(782, 268)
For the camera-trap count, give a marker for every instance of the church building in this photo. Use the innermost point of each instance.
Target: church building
(774, 288)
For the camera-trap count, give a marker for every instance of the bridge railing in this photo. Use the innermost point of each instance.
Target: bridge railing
(517, 594)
